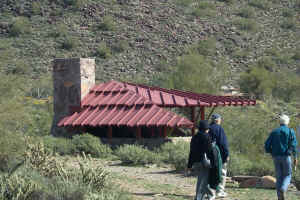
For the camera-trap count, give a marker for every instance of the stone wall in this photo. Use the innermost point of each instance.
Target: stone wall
(72, 79)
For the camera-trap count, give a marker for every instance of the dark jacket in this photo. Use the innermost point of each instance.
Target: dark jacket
(200, 144)
(218, 135)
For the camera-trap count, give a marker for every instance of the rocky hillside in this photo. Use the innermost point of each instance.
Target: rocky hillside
(141, 38)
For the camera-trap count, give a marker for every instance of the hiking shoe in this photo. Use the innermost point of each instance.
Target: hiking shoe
(222, 194)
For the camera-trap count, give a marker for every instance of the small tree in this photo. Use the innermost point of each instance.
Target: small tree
(195, 73)
(258, 81)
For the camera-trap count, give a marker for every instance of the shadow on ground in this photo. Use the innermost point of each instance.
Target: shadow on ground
(163, 194)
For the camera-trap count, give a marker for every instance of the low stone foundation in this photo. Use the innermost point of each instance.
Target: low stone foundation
(146, 142)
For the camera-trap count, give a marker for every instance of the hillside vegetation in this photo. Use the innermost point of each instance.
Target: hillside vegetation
(193, 45)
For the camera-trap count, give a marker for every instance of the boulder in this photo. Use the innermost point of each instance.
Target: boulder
(250, 183)
(268, 182)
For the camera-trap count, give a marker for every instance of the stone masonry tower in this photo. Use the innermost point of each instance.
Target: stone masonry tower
(72, 79)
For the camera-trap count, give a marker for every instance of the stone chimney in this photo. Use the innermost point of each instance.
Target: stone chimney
(72, 79)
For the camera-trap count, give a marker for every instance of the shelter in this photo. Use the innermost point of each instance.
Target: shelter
(119, 104)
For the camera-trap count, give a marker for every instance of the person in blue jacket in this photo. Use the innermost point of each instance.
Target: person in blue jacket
(281, 144)
(218, 135)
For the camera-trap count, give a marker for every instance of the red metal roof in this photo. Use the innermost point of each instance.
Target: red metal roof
(176, 98)
(109, 104)
(125, 104)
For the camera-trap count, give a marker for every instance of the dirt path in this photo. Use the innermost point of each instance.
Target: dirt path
(163, 183)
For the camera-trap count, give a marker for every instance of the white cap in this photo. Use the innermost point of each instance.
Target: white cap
(284, 119)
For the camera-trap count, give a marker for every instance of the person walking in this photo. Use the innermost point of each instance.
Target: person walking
(205, 158)
(281, 144)
(218, 135)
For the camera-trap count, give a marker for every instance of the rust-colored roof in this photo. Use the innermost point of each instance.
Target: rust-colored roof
(125, 104)
(176, 98)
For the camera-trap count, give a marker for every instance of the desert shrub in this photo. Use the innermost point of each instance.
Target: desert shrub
(12, 147)
(204, 8)
(194, 72)
(262, 4)
(227, 1)
(92, 145)
(289, 24)
(107, 24)
(297, 5)
(21, 25)
(37, 158)
(296, 55)
(246, 12)
(120, 46)
(60, 30)
(267, 63)
(136, 155)
(258, 81)
(205, 47)
(103, 51)
(62, 146)
(17, 187)
(286, 12)
(75, 3)
(184, 2)
(94, 177)
(240, 164)
(246, 25)
(36, 8)
(69, 42)
(175, 154)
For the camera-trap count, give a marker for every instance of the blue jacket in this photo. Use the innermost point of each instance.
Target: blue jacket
(218, 135)
(282, 142)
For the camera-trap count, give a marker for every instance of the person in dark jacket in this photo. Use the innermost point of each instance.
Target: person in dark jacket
(206, 160)
(218, 135)
(281, 144)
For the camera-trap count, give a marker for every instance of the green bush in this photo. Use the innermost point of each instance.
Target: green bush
(36, 8)
(267, 63)
(289, 24)
(60, 30)
(62, 146)
(246, 25)
(241, 165)
(107, 24)
(204, 8)
(205, 47)
(246, 12)
(12, 147)
(286, 12)
(120, 46)
(184, 2)
(262, 4)
(193, 73)
(20, 26)
(92, 145)
(103, 51)
(296, 55)
(176, 154)
(69, 43)
(136, 155)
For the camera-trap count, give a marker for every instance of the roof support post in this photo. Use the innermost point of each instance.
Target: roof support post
(152, 132)
(160, 132)
(202, 110)
(109, 132)
(138, 133)
(193, 110)
(165, 132)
